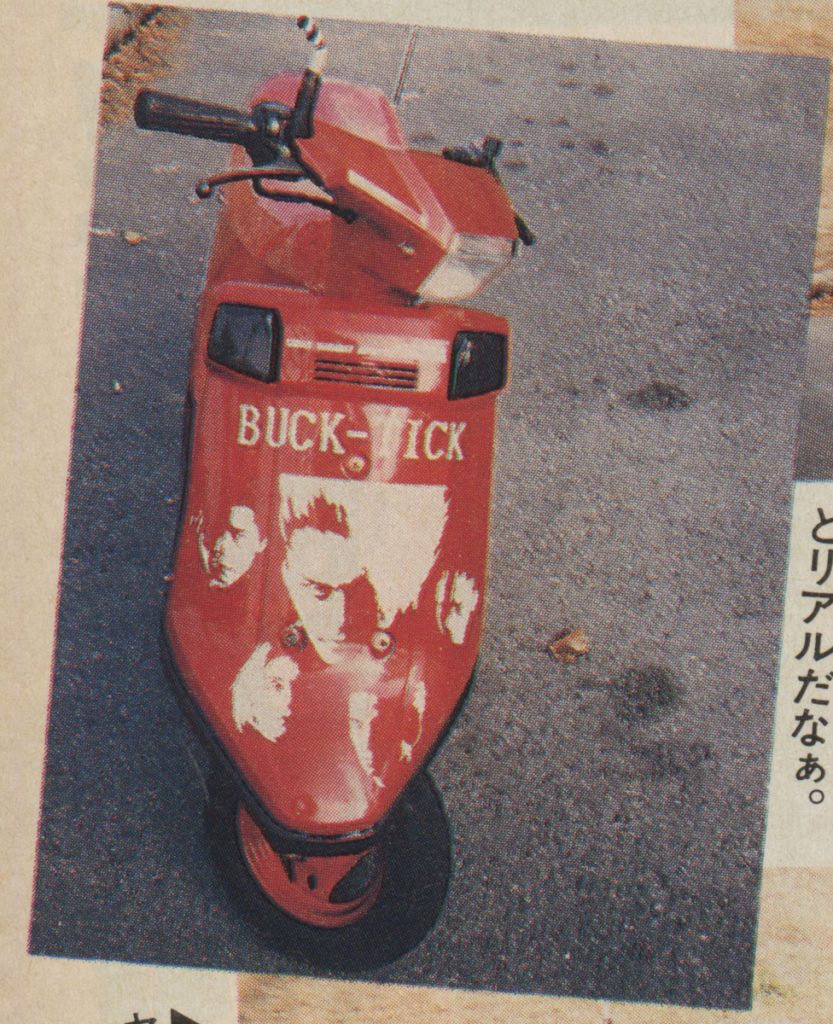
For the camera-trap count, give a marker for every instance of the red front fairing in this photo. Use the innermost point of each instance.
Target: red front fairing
(347, 509)
(410, 204)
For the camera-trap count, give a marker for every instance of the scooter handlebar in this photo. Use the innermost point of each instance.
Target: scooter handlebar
(158, 111)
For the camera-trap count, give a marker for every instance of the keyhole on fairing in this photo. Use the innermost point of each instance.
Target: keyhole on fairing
(312, 882)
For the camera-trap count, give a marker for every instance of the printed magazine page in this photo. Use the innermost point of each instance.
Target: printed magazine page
(419, 498)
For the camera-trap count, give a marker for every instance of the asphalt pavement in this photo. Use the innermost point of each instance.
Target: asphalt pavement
(607, 815)
(814, 451)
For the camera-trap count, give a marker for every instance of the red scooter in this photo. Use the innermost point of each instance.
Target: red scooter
(325, 612)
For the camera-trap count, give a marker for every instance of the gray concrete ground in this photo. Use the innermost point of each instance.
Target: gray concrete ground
(607, 815)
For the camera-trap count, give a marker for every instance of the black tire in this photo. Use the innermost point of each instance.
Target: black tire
(416, 847)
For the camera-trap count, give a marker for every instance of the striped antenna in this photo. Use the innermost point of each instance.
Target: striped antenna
(318, 57)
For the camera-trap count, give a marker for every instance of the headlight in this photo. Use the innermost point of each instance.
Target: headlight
(478, 364)
(471, 261)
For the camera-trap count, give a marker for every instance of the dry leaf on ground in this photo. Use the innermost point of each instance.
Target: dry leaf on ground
(570, 645)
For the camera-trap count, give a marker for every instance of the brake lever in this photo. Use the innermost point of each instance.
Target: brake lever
(484, 156)
(289, 173)
(287, 170)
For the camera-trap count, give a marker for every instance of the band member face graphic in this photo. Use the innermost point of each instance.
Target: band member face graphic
(357, 555)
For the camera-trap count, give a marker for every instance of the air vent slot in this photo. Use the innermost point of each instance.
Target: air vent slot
(366, 373)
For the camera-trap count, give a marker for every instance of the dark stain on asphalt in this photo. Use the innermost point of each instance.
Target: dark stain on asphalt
(675, 758)
(644, 693)
(599, 147)
(602, 89)
(659, 395)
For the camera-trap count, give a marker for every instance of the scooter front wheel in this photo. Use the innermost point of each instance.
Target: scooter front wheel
(361, 912)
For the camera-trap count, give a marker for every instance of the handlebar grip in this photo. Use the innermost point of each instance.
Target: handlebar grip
(161, 112)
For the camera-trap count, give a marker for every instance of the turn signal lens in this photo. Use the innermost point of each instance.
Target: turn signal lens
(470, 263)
(478, 364)
(246, 339)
